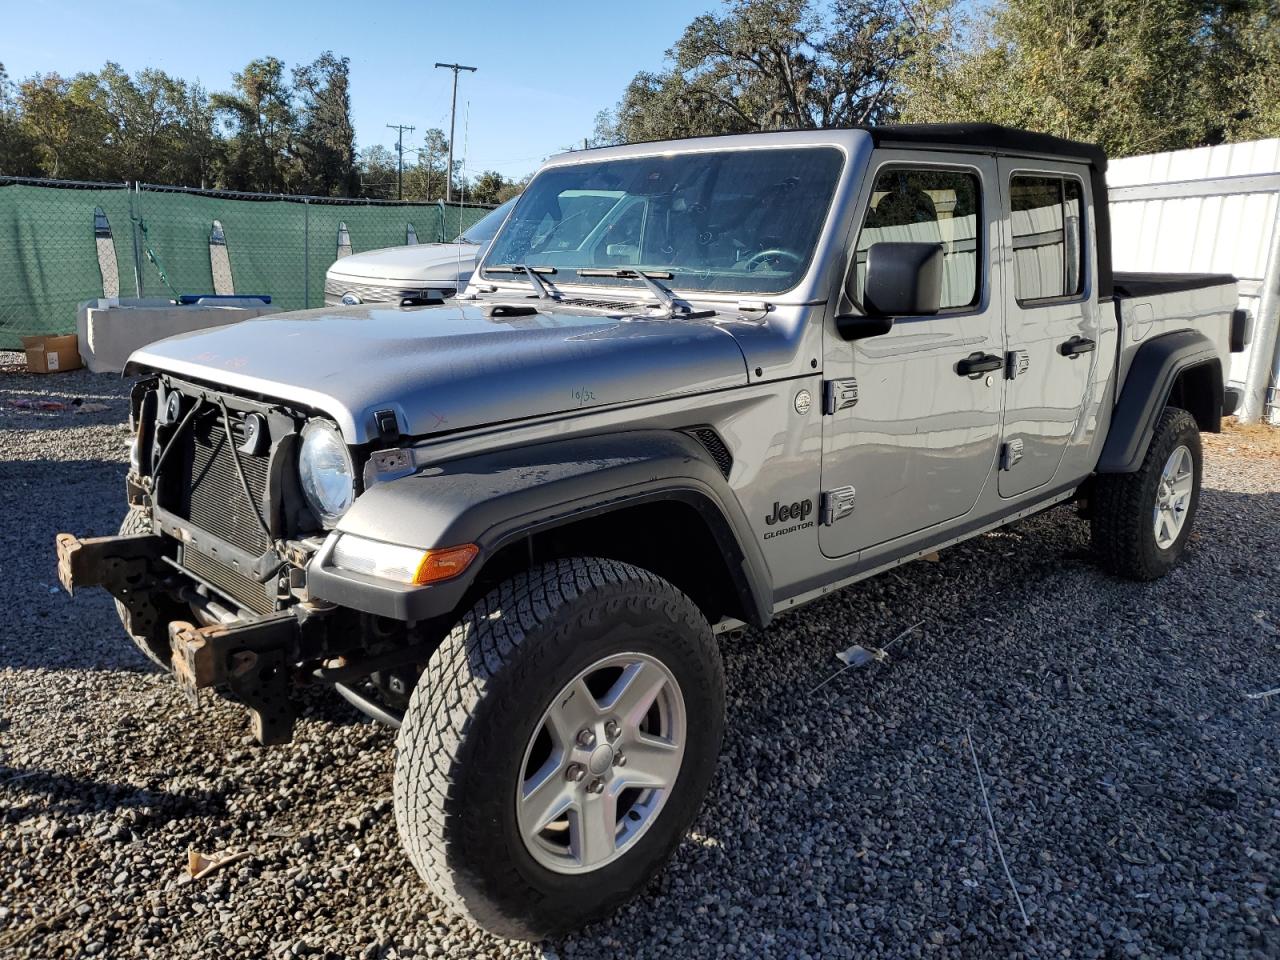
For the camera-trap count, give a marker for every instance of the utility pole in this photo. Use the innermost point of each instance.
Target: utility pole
(453, 116)
(400, 128)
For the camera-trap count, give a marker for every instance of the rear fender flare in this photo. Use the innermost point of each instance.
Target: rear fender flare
(1155, 368)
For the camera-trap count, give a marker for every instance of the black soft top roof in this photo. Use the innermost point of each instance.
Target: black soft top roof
(987, 137)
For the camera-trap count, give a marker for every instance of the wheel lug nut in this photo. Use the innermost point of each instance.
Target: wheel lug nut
(596, 786)
(575, 772)
(611, 729)
(586, 738)
(619, 759)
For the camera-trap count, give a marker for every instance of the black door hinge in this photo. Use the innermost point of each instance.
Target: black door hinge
(1016, 363)
(839, 395)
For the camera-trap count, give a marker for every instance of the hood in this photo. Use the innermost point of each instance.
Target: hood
(450, 367)
(419, 261)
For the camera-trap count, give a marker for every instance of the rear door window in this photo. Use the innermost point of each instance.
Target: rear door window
(1048, 237)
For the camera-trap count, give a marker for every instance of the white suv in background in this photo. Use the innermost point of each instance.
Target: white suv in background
(424, 270)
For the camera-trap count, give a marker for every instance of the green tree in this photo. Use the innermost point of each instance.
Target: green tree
(198, 153)
(377, 171)
(487, 188)
(326, 142)
(513, 188)
(17, 149)
(69, 130)
(425, 179)
(261, 122)
(154, 123)
(774, 64)
(1258, 84)
(1136, 76)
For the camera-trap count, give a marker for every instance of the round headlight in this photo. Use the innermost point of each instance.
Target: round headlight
(324, 467)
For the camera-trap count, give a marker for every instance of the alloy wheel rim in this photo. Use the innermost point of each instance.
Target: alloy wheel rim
(601, 763)
(1173, 497)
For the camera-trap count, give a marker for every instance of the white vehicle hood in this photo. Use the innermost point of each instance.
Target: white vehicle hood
(421, 261)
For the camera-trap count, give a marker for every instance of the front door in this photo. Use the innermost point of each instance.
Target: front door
(915, 448)
(1051, 320)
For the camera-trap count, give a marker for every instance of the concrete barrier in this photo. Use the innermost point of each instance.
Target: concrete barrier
(111, 329)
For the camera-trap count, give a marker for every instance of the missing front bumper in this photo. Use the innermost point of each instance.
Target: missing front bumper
(252, 657)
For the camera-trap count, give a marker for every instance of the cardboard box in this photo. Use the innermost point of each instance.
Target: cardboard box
(52, 354)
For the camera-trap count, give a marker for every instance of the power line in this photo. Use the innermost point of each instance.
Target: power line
(400, 128)
(453, 117)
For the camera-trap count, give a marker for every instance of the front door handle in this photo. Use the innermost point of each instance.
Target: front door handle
(1076, 346)
(979, 363)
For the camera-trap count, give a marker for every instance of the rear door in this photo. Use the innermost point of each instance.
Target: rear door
(910, 434)
(1051, 319)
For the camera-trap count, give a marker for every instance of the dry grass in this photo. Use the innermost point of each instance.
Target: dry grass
(1254, 440)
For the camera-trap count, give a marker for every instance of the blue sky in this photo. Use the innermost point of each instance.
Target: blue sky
(544, 69)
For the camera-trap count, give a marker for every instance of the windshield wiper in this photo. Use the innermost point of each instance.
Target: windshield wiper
(535, 281)
(665, 297)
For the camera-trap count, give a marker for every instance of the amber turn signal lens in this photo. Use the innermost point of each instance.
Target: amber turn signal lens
(437, 565)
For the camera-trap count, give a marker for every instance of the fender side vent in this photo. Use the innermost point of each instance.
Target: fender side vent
(714, 446)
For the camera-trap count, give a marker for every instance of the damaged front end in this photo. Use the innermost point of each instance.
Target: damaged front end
(251, 658)
(214, 584)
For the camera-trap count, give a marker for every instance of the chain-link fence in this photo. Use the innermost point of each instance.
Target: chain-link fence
(65, 242)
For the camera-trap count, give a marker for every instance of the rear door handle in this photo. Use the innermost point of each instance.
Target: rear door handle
(1076, 346)
(979, 363)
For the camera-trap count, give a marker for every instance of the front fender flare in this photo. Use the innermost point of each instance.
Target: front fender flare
(492, 499)
(1155, 368)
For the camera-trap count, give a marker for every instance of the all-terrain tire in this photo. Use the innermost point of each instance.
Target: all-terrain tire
(460, 750)
(1124, 504)
(149, 636)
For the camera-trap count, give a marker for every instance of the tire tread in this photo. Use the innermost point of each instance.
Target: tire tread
(430, 805)
(1120, 512)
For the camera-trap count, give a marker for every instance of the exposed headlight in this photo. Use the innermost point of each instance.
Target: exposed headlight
(390, 561)
(324, 467)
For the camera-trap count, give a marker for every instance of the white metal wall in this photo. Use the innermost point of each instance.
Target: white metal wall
(1209, 210)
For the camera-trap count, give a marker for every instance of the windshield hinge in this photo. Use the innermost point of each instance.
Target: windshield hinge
(387, 427)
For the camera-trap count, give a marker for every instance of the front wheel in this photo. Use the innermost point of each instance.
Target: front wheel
(1141, 521)
(558, 745)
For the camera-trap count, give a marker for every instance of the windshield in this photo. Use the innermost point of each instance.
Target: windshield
(734, 221)
(482, 231)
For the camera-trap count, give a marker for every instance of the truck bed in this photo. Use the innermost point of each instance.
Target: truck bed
(1151, 304)
(1154, 284)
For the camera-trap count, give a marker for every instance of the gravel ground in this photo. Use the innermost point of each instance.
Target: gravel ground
(1133, 782)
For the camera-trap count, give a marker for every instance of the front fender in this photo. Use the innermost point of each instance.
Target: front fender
(495, 498)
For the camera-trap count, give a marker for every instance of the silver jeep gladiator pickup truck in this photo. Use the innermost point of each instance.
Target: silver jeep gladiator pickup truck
(692, 385)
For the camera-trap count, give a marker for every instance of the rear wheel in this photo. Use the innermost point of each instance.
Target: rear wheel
(144, 627)
(1141, 521)
(558, 745)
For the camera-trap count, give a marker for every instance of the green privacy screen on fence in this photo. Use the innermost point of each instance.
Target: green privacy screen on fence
(55, 250)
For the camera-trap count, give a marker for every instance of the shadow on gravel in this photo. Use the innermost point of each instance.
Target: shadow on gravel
(1124, 761)
(48, 792)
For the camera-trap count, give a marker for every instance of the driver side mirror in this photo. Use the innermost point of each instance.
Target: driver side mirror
(902, 280)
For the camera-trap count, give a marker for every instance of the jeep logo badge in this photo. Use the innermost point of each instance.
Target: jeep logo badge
(794, 511)
(796, 515)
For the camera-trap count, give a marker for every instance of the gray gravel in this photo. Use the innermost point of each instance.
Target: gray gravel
(1134, 784)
